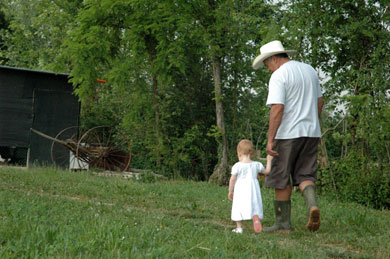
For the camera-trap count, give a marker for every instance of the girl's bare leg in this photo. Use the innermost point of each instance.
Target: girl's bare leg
(239, 227)
(258, 227)
(239, 224)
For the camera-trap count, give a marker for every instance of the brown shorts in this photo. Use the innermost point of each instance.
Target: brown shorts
(297, 159)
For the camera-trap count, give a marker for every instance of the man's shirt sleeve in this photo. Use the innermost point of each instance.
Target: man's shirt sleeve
(276, 91)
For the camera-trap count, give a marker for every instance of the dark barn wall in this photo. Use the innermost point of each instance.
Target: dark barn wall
(38, 100)
(15, 109)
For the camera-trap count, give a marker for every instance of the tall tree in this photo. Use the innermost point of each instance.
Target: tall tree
(144, 54)
(222, 31)
(178, 73)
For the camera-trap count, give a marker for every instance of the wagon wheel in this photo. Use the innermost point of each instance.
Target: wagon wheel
(101, 149)
(64, 156)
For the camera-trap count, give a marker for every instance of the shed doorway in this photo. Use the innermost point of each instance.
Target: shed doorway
(50, 117)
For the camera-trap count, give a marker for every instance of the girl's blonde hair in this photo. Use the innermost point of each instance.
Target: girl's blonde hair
(245, 147)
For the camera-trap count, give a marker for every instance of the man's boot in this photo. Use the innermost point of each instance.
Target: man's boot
(282, 216)
(309, 195)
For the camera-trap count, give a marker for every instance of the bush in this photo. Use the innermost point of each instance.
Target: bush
(355, 178)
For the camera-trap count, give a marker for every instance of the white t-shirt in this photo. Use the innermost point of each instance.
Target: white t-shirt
(297, 87)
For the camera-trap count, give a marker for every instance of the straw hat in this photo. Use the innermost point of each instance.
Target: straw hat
(268, 50)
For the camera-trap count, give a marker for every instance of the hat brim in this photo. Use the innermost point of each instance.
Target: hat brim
(259, 60)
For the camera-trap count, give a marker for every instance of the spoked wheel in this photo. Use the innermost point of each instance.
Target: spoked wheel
(64, 155)
(100, 148)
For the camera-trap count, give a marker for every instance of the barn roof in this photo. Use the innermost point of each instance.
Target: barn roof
(33, 70)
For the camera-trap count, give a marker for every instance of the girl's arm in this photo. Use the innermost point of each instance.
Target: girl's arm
(232, 182)
(268, 166)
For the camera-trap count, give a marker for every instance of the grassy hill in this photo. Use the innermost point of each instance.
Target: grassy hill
(51, 213)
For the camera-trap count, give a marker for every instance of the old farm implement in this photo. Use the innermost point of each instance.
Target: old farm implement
(96, 148)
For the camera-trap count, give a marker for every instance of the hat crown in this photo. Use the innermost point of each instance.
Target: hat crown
(268, 50)
(273, 46)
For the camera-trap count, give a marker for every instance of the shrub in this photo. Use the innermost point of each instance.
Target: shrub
(355, 178)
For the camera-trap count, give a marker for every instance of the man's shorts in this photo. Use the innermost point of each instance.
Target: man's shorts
(297, 159)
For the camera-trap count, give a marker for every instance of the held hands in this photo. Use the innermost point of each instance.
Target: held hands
(270, 149)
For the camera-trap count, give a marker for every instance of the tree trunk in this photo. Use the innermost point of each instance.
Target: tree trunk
(220, 174)
(323, 155)
(150, 43)
(157, 117)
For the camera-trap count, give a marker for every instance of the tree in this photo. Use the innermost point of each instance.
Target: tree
(222, 28)
(35, 31)
(178, 74)
(4, 24)
(147, 58)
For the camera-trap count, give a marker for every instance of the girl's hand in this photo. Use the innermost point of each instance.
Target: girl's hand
(231, 194)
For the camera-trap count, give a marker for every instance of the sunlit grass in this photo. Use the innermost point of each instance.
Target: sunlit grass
(51, 213)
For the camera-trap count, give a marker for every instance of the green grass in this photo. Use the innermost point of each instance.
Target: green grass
(57, 214)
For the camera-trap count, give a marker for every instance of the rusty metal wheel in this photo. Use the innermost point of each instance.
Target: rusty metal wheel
(100, 148)
(62, 156)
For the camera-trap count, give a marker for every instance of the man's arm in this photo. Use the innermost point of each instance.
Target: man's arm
(320, 102)
(275, 118)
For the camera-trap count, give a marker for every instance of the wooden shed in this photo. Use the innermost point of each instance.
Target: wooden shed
(33, 99)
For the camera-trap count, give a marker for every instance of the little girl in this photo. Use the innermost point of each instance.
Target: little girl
(244, 188)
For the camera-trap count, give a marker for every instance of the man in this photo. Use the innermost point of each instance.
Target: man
(296, 101)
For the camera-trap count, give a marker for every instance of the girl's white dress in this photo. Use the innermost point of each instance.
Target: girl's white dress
(247, 196)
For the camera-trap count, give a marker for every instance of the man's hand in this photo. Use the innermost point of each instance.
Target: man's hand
(270, 149)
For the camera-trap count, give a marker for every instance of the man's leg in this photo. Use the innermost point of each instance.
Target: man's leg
(282, 206)
(279, 179)
(308, 191)
(304, 184)
(305, 175)
(283, 195)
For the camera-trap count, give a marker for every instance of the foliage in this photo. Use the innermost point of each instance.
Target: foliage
(159, 75)
(3, 28)
(153, 84)
(35, 32)
(225, 29)
(50, 213)
(357, 179)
